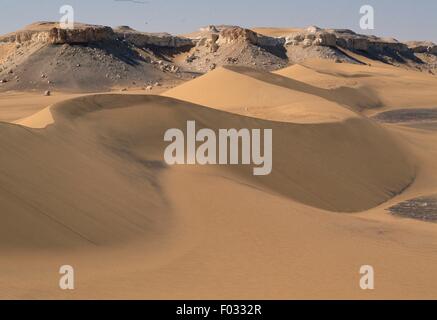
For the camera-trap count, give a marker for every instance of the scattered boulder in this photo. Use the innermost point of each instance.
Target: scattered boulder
(307, 43)
(231, 60)
(191, 58)
(313, 29)
(47, 93)
(174, 69)
(310, 36)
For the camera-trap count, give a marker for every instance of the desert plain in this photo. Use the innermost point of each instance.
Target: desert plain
(83, 181)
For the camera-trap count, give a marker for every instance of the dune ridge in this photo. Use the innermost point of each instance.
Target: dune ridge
(263, 94)
(83, 182)
(89, 147)
(394, 88)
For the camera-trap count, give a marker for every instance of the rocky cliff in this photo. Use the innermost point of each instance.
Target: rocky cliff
(51, 33)
(144, 39)
(91, 57)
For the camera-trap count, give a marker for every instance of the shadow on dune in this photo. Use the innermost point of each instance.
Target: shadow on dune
(93, 175)
(354, 98)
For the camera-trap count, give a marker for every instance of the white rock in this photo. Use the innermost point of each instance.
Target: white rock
(313, 29)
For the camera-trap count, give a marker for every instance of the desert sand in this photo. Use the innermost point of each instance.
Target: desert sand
(83, 182)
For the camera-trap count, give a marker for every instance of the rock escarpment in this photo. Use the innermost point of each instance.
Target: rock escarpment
(51, 33)
(343, 38)
(88, 58)
(423, 47)
(44, 56)
(144, 39)
(88, 34)
(231, 45)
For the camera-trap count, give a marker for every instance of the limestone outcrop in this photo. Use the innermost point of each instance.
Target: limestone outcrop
(423, 47)
(237, 34)
(80, 36)
(84, 34)
(346, 39)
(144, 39)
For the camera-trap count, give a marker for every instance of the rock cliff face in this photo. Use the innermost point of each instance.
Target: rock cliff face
(25, 36)
(345, 39)
(231, 45)
(37, 56)
(81, 35)
(311, 37)
(371, 44)
(87, 59)
(51, 33)
(423, 47)
(215, 36)
(142, 39)
(328, 43)
(237, 34)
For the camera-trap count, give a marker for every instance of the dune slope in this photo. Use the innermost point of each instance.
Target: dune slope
(394, 88)
(92, 177)
(247, 88)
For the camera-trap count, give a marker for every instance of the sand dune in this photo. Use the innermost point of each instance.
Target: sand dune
(394, 88)
(256, 93)
(83, 182)
(89, 147)
(18, 105)
(164, 222)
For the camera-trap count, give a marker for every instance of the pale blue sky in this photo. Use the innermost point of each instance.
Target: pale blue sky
(402, 19)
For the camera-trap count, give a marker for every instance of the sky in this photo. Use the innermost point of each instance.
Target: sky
(400, 19)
